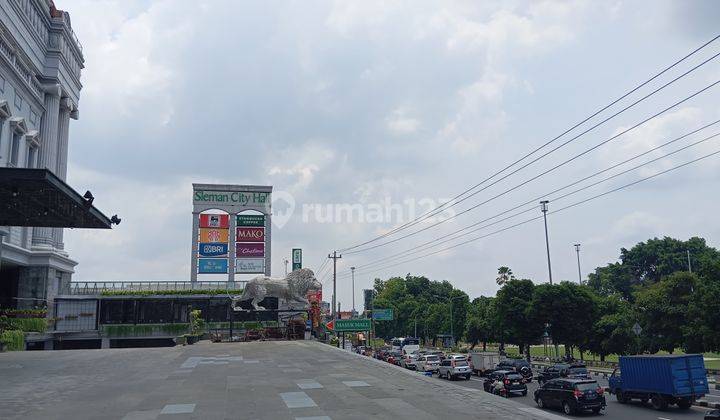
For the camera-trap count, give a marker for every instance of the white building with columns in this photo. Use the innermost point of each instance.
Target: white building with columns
(40, 65)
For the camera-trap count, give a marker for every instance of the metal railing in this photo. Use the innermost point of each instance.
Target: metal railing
(98, 287)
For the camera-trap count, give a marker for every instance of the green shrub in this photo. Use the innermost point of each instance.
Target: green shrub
(197, 324)
(23, 324)
(13, 340)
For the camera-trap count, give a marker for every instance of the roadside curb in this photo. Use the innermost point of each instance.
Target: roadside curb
(707, 404)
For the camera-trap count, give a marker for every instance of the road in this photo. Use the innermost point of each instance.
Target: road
(614, 410)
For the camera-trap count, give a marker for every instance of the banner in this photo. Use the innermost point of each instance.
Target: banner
(296, 259)
(212, 250)
(245, 234)
(250, 265)
(250, 220)
(214, 221)
(213, 235)
(212, 266)
(254, 250)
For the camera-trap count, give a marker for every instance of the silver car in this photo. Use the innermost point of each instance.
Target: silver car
(427, 363)
(451, 369)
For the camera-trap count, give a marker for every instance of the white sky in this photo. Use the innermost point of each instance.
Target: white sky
(365, 102)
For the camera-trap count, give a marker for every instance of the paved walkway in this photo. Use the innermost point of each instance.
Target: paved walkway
(259, 380)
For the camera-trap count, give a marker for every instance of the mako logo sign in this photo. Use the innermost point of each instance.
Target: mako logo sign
(212, 250)
(247, 234)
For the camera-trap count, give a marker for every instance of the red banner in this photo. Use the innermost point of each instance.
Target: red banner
(249, 234)
(214, 221)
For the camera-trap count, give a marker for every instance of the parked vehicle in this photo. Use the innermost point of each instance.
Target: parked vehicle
(571, 395)
(394, 357)
(451, 369)
(662, 380)
(712, 415)
(483, 363)
(520, 366)
(505, 383)
(409, 361)
(406, 345)
(427, 363)
(563, 370)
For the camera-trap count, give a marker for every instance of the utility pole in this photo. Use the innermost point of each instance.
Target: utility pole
(352, 271)
(689, 266)
(544, 209)
(577, 250)
(334, 257)
(286, 263)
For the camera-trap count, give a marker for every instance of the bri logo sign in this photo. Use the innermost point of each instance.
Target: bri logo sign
(212, 250)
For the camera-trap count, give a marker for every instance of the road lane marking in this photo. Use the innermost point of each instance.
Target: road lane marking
(309, 384)
(356, 383)
(178, 409)
(297, 400)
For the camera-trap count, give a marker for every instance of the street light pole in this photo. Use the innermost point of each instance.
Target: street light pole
(544, 209)
(577, 250)
(689, 266)
(352, 270)
(286, 263)
(334, 257)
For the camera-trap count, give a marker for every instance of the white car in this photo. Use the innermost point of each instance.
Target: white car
(408, 361)
(427, 363)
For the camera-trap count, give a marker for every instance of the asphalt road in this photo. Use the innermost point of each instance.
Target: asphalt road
(614, 410)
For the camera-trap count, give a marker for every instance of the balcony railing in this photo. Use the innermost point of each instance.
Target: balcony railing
(98, 287)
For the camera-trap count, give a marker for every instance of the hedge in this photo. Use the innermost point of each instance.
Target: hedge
(13, 340)
(145, 329)
(170, 292)
(23, 324)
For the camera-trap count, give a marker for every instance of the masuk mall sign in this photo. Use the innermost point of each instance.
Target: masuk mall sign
(238, 198)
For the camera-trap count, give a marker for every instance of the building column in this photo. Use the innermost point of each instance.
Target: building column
(194, 246)
(66, 106)
(47, 157)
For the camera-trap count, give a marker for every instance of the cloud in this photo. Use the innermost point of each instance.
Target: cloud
(400, 123)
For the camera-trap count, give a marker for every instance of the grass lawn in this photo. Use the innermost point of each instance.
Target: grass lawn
(539, 351)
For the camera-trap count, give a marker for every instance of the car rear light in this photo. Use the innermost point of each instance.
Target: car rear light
(507, 381)
(600, 390)
(577, 393)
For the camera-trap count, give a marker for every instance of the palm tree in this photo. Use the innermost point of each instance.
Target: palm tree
(504, 274)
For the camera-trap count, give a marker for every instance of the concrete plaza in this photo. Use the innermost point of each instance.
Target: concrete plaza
(256, 380)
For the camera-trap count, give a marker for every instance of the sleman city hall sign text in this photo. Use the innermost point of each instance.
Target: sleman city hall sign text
(232, 198)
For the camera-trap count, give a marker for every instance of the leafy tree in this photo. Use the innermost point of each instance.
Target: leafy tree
(512, 311)
(702, 332)
(613, 279)
(479, 327)
(662, 308)
(568, 308)
(504, 275)
(612, 331)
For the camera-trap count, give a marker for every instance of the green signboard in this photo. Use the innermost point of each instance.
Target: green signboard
(243, 198)
(244, 220)
(382, 314)
(348, 325)
(296, 259)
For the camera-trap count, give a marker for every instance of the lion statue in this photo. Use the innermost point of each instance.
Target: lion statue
(293, 288)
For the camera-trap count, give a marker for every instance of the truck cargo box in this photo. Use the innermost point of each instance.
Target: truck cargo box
(676, 375)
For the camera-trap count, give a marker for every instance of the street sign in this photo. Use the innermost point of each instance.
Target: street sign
(349, 325)
(637, 329)
(296, 259)
(382, 314)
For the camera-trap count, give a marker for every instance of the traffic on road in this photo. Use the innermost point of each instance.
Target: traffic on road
(653, 387)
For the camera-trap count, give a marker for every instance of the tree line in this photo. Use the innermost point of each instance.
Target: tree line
(669, 287)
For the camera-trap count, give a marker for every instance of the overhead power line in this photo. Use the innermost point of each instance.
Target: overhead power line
(455, 200)
(552, 212)
(563, 163)
(447, 238)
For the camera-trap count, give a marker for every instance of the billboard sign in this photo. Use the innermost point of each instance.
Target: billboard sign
(250, 234)
(231, 198)
(347, 325)
(214, 221)
(213, 235)
(250, 220)
(252, 250)
(250, 265)
(296, 259)
(382, 314)
(212, 266)
(212, 250)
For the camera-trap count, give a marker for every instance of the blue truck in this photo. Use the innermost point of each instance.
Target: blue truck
(662, 380)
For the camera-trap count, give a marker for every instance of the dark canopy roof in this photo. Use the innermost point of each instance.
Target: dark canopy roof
(37, 197)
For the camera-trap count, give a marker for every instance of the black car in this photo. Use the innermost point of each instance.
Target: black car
(512, 383)
(563, 370)
(712, 415)
(520, 366)
(571, 395)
